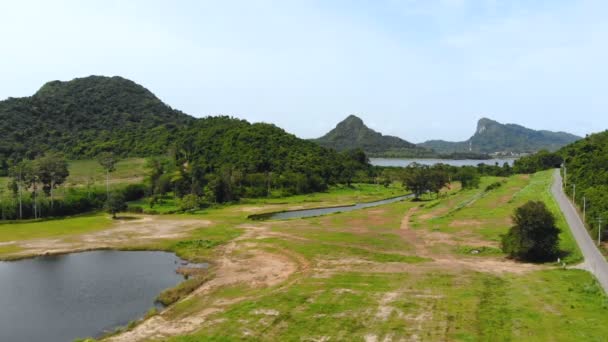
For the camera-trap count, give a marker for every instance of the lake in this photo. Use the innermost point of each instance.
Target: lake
(301, 213)
(61, 298)
(455, 162)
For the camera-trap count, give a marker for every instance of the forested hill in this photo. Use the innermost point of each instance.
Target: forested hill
(492, 136)
(234, 153)
(587, 167)
(85, 116)
(352, 133)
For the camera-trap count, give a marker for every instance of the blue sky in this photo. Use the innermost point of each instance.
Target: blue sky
(419, 69)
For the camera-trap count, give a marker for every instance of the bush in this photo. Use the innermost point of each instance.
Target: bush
(493, 186)
(133, 192)
(136, 209)
(190, 202)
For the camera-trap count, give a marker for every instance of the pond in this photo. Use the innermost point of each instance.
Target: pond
(283, 215)
(61, 298)
(403, 162)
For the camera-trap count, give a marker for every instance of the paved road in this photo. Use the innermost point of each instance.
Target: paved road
(594, 260)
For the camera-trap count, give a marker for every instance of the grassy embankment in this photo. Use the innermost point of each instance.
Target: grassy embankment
(400, 270)
(200, 242)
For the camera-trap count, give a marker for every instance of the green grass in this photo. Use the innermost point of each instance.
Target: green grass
(391, 292)
(54, 228)
(357, 193)
(167, 205)
(83, 172)
(557, 305)
(486, 215)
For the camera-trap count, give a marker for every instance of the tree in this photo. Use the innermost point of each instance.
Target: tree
(438, 179)
(116, 203)
(108, 161)
(534, 237)
(468, 177)
(17, 173)
(416, 179)
(52, 172)
(31, 178)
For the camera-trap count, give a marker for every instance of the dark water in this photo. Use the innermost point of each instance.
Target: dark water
(324, 211)
(60, 298)
(455, 162)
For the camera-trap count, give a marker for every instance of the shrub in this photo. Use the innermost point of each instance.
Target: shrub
(133, 192)
(493, 186)
(190, 202)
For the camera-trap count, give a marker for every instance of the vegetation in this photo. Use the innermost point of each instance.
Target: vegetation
(587, 167)
(361, 274)
(534, 237)
(53, 228)
(116, 203)
(202, 161)
(172, 295)
(586, 163)
(84, 117)
(221, 159)
(542, 160)
(421, 179)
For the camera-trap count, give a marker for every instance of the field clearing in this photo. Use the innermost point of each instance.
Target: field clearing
(429, 270)
(54, 228)
(89, 172)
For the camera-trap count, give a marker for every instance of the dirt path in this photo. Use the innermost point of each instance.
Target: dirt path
(240, 262)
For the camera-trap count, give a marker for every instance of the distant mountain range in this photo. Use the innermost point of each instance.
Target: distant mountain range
(491, 137)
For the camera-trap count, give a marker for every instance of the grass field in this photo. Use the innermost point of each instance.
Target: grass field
(429, 270)
(54, 228)
(83, 172)
(364, 277)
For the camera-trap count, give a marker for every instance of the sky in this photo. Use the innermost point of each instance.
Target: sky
(418, 69)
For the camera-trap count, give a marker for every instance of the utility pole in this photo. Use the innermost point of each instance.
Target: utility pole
(584, 209)
(599, 231)
(574, 194)
(565, 175)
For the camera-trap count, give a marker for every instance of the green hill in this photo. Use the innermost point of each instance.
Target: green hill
(494, 137)
(352, 133)
(587, 167)
(88, 115)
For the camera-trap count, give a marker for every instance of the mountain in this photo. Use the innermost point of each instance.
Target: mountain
(85, 116)
(89, 115)
(494, 137)
(352, 133)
